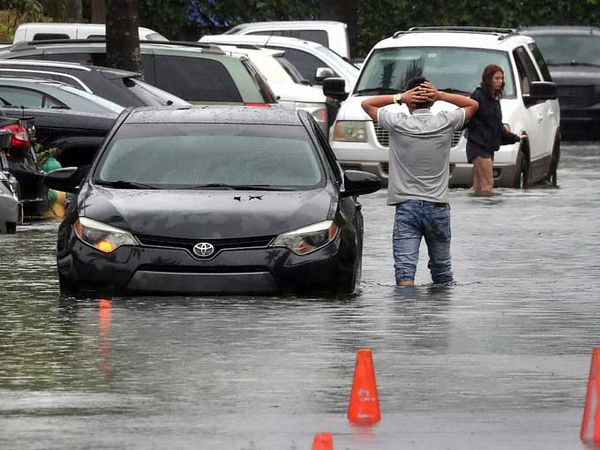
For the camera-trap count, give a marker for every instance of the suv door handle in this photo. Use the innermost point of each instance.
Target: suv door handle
(551, 113)
(539, 117)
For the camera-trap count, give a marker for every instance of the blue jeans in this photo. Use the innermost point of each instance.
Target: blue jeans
(414, 220)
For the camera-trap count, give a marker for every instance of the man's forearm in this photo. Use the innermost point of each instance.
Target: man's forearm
(372, 104)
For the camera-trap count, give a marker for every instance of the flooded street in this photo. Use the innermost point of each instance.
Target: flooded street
(498, 361)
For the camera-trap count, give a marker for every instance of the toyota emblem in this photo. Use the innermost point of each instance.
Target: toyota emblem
(203, 249)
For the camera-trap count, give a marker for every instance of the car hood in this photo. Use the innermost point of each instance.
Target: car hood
(575, 74)
(294, 92)
(207, 214)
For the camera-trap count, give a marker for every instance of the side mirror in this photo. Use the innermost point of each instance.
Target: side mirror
(67, 179)
(324, 72)
(335, 88)
(540, 91)
(357, 182)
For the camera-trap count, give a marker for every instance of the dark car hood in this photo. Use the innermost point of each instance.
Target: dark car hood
(206, 214)
(575, 74)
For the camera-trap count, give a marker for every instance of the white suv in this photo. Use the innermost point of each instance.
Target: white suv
(452, 58)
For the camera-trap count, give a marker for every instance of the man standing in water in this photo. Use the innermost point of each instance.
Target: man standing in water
(419, 161)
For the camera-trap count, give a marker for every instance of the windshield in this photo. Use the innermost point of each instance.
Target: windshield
(453, 69)
(338, 63)
(179, 156)
(569, 49)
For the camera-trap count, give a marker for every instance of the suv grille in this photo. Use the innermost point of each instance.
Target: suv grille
(570, 95)
(219, 244)
(383, 136)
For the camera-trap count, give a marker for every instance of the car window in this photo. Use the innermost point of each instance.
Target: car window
(188, 155)
(327, 151)
(564, 49)
(541, 62)
(450, 68)
(526, 69)
(27, 98)
(48, 36)
(195, 79)
(259, 80)
(306, 63)
(89, 58)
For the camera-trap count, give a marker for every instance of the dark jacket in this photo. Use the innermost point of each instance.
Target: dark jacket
(485, 127)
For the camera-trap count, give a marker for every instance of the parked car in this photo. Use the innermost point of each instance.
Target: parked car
(314, 61)
(573, 58)
(119, 86)
(253, 201)
(21, 175)
(19, 93)
(197, 73)
(9, 203)
(290, 93)
(452, 58)
(32, 31)
(327, 33)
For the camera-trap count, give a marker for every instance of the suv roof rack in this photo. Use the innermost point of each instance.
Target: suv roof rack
(501, 32)
(32, 44)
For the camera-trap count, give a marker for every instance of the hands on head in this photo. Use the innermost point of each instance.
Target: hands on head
(423, 93)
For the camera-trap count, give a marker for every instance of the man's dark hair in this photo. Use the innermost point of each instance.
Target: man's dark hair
(414, 82)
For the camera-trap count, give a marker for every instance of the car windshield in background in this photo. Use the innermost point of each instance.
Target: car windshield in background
(451, 69)
(563, 49)
(197, 156)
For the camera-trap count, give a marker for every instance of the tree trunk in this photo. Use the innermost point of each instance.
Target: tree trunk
(76, 10)
(98, 11)
(122, 39)
(343, 11)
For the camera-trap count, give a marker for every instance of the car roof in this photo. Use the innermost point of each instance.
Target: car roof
(32, 80)
(215, 114)
(261, 39)
(465, 37)
(44, 64)
(560, 29)
(290, 24)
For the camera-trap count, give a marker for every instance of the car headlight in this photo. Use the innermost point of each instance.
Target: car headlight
(317, 110)
(350, 131)
(102, 237)
(307, 239)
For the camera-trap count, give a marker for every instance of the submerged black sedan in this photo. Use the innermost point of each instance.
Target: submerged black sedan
(196, 200)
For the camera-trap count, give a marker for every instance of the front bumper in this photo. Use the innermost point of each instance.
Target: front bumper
(158, 270)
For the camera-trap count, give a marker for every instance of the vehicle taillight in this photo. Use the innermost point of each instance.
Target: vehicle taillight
(257, 105)
(20, 137)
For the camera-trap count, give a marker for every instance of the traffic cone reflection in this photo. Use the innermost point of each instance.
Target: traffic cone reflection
(364, 401)
(590, 425)
(323, 441)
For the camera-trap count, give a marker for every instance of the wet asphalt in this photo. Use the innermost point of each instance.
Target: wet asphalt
(500, 360)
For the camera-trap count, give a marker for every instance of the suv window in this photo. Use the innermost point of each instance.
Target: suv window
(541, 62)
(526, 69)
(27, 98)
(47, 36)
(566, 49)
(195, 79)
(456, 69)
(306, 63)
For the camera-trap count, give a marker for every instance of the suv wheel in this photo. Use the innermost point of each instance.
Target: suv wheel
(522, 175)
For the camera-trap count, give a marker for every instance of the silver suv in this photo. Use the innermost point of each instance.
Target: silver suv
(453, 58)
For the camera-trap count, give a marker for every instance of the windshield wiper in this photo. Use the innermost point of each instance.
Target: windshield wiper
(378, 91)
(237, 187)
(122, 184)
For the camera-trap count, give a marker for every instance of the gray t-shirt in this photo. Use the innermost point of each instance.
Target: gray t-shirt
(419, 161)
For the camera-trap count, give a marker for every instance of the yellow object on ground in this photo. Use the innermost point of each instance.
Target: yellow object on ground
(56, 210)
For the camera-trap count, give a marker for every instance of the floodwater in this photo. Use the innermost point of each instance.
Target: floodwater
(498, 361)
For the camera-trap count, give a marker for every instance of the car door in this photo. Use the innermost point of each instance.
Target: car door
(536, 117)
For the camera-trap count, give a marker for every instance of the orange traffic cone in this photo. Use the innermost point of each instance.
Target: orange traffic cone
(323, 441)
(590, 425)
(364, 401)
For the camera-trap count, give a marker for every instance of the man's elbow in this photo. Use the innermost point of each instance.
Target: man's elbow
(365, 105)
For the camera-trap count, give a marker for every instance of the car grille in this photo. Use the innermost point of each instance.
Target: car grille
(578, 96)
(219, 244)
(383, 136)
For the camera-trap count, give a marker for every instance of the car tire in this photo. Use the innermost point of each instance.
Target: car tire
(522, 174)
(67, 288)
(11, 227)
(552, 176)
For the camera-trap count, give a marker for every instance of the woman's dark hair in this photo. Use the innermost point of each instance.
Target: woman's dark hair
(486, 80)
